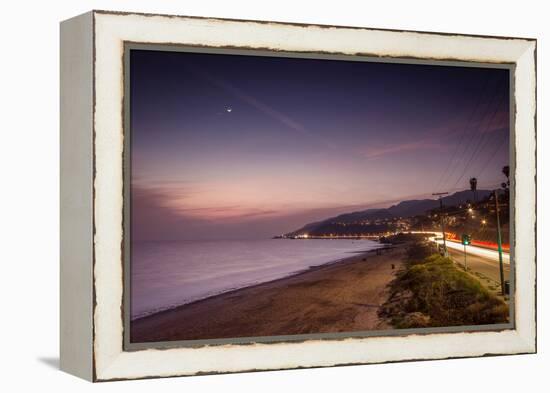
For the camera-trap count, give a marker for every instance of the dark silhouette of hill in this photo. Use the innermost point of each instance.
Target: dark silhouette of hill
(370, 219)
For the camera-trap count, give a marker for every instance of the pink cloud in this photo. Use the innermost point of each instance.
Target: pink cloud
(377, 152)
(498, 122)
(183, 202)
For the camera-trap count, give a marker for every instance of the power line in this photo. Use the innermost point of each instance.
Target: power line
(473, 145)
(479, 147)
(495, 151)
(469, 141)
(474, 111)
(477, 137)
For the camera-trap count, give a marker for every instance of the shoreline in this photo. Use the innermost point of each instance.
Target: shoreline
(290, 301)
(310, 268)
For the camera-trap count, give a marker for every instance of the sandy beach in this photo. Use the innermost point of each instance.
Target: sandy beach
(339, 297)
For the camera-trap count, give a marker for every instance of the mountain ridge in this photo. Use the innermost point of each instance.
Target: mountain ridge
(370, 219)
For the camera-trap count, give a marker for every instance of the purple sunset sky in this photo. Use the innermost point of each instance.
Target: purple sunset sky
(304, 140)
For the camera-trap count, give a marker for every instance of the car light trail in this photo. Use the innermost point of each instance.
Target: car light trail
(472, 250)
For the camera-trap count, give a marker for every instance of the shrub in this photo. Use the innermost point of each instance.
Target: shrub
(418, 252)
(439, 294)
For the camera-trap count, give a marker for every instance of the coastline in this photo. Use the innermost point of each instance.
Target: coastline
(338, 296)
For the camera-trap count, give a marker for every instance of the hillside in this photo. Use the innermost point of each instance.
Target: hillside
(382, 220)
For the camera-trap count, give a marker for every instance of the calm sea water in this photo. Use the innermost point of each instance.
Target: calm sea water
(168, 274)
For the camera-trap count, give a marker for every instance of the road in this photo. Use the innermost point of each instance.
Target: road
(486, 253)
(486, 269)
(481, 262)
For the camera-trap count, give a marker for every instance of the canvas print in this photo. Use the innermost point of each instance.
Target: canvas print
(280, 197)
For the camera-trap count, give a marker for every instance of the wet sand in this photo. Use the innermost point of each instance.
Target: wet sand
(338, 297)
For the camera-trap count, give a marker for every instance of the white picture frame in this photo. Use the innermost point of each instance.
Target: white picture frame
(92, 194)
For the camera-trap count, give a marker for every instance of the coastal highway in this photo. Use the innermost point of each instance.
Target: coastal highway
(481, 252)
(487, 268)
(482, 261)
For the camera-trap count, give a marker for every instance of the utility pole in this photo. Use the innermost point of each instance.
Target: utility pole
(499, 243)
(440, 194)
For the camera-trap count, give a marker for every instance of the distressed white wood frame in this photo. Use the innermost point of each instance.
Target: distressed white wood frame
(111, 30)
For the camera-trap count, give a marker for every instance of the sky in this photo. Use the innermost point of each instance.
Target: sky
(238, 147)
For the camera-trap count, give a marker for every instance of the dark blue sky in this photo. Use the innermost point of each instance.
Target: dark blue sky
(228, 146)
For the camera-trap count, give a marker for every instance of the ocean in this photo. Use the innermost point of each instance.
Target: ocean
(165, 275)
